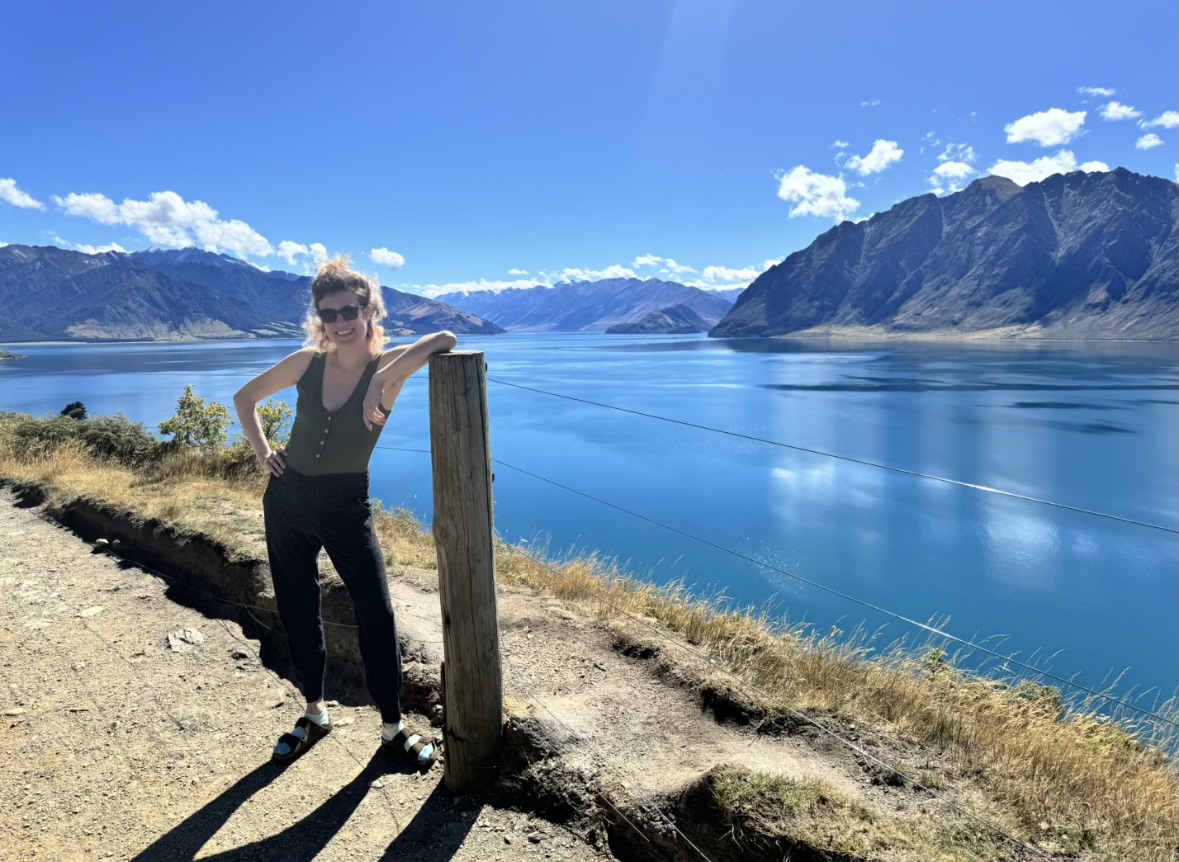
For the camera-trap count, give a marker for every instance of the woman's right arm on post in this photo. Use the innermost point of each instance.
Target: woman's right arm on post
(283, 375)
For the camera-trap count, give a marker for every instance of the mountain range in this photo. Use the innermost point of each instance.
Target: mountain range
(54, 294)
(588, 306)
(1079, 255)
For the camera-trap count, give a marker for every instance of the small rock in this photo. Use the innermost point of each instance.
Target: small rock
(507, 839)
(102, 543)
(90, 612)
(183, 640)
(343, 722)
(238, 654)
(275, 704)
(377, 785)
(535, 837)
(17, 711)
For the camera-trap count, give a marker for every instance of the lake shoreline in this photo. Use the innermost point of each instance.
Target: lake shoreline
(841, 336)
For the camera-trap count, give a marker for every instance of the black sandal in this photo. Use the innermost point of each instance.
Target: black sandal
(410, 746)
(314, 731)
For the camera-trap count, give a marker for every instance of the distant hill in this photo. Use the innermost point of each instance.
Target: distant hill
(586, 306)
(1074, 256)
(730, 294)
(50, 293)
(674, 320)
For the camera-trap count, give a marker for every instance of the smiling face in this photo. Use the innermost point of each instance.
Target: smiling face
(342, 332)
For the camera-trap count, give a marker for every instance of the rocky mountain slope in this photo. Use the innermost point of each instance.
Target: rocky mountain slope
(1074, 256)
(54, 294)
(586, 306)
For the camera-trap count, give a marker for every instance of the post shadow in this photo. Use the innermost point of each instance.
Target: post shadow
(436, 832)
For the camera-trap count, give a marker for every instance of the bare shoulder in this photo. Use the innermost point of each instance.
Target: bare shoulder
(282, 375)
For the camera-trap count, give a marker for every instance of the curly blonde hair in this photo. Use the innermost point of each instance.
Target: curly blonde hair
(334, 276)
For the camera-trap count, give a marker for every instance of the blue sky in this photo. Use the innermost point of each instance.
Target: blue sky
(468, 144)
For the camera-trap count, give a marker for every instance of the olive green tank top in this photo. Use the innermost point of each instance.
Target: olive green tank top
(323, 443)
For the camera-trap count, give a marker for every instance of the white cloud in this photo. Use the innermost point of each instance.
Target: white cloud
(1166, 120)
(168, 220)
(870, 103)
(290, 251)
(10, 193)
(1118, 111)
(514, 271)
(958, 153)
(956, 164)
(816, 194)
(1102, 92)
(1047, 128)
(385, 257)
(319, 252)
(841, 145)
(729, 278)
(1029, 172)
(571, 273)
(953, 170)
(715, 274)
(1148, 141)
(100, 249)
(667, 266)
(670, 267)
(233, 236)
(98, 207)
(883, 154)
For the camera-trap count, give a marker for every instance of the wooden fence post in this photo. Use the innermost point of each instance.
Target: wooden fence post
(472, 682)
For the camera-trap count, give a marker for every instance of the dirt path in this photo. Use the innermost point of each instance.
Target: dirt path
(139, 728)
(116, 745)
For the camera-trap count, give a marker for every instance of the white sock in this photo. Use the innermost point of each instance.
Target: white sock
(320, 718)
(388, 731)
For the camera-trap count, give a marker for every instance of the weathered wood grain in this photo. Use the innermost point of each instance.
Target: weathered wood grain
(463, 530)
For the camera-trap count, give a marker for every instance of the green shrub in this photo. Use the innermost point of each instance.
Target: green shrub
(275, 416)
(197, 424)
(33, 436)
(75, 410)
(118, 438)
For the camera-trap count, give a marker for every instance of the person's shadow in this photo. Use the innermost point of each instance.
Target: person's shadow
(183, 841)
(434, 835)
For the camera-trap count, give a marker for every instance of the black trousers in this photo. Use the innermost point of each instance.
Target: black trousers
(304, 514)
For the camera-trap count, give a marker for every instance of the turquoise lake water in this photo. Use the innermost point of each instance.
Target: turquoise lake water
(1088, 426)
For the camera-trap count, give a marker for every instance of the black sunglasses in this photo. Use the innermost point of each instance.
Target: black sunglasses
(348, 312)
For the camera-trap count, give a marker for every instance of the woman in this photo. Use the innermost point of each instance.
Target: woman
(317, 496)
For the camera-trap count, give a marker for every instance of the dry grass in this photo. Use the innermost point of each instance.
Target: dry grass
(768, 815)
(1067, 781)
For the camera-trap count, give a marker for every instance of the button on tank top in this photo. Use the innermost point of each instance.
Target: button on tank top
(323, 443)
